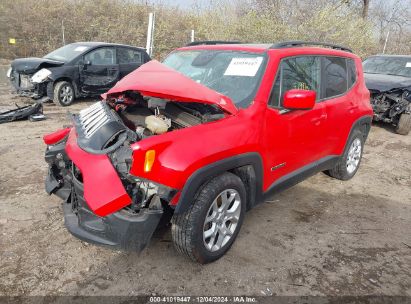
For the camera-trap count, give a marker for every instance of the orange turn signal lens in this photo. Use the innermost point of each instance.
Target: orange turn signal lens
(149, 160)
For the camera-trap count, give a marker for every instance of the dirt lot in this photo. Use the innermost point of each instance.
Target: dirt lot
(322, 237)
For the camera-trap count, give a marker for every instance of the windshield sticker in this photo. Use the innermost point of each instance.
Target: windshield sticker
(80, 49)
(408, 65)
(243, 66)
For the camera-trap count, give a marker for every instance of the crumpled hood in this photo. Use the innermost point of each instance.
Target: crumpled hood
(382, 82)
(33, 64)
(155, 79)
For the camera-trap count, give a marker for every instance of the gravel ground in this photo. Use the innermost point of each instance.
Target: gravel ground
(321, 237)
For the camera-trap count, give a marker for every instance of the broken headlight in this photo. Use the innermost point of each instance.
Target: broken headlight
(40, 76)
(142, 191)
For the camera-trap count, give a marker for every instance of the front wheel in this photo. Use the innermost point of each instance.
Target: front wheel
(350, 161)
(63, 93)
(206, 231)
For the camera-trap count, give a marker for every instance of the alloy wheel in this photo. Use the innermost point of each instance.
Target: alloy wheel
(222, 220)
(66, 94)
(354, 155)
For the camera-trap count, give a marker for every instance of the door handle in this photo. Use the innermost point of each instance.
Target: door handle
(317, 120)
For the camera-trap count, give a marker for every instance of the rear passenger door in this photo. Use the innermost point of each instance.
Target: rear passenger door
(99, 70)
(338, 78)
(129, 60)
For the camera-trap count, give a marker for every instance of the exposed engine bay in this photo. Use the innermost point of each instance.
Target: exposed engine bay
(154, 116)
(106, 125)
(388, 106)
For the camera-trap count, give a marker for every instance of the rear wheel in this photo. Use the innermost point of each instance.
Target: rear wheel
(404, 124)
(63, 93)
(350, 161)
(207, 230)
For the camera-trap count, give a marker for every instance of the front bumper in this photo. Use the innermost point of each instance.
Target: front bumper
(119, 230)
(124, 229)
(24, 87)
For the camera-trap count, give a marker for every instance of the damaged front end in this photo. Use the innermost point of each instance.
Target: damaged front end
(92, 164)
(99, 203)
(389, 105)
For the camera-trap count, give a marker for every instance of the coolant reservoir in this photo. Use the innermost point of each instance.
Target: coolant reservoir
(158, 124)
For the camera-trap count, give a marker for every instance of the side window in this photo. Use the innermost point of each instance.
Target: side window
(334, 76)
(101, 56)
(126, 56)
(296, 73)
(352, 73)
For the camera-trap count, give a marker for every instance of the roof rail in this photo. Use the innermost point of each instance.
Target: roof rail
(290, 44)
(211, 42)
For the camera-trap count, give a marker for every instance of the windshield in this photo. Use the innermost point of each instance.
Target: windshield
(67, 52)
(400, 66)
(233, 74)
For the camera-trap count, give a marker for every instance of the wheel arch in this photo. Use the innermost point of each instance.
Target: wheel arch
(247, 166)
(363, 124)
(53, 82)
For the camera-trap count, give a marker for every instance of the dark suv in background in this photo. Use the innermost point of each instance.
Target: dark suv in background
(388, 77)
(75, 70)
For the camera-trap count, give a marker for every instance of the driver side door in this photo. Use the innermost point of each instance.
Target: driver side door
(99, 70)
(293, 139)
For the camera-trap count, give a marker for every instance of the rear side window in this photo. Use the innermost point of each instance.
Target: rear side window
(296, 73)
(335, 80)
(352, 73)
(126, 56)
(101, 56)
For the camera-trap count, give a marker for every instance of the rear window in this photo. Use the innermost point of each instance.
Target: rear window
(335, 76)
(129, 56)
(352, 73)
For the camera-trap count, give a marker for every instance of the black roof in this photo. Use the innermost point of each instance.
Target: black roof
(388, 55)
(96, 43)
(278, 45)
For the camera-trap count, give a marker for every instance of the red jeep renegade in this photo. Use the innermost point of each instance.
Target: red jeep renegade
(203, 137)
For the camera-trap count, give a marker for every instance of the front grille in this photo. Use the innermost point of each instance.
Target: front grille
(93, 118)
(97, 127)
(25, 82)
(21, 81)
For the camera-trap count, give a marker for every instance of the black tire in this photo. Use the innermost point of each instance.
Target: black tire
(341, 170)
(404, 124)
(63, 94)
(188, 227)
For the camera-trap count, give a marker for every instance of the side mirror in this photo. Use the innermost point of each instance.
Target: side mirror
(299, 99)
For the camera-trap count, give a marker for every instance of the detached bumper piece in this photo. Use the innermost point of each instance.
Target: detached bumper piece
(21, 113)
(121, 230)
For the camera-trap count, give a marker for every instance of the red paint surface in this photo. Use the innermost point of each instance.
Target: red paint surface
(154, 79)
(103, 190)
(299, 99)
(55, 137)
